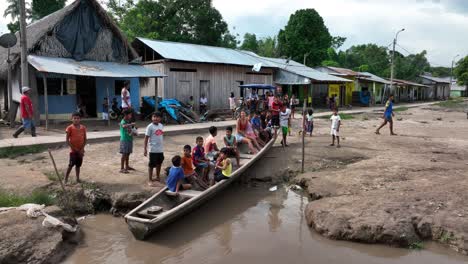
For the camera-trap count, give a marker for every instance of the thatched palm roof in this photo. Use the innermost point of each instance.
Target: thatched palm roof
(37, 30)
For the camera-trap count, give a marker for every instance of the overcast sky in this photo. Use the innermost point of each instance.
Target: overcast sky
(438, 26)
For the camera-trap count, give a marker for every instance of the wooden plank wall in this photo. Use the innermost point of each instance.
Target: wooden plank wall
(148, 88)
(223, 79)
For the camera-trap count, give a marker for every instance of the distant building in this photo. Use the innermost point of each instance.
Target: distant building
(457, 90)
(194, 70)
(439, 88)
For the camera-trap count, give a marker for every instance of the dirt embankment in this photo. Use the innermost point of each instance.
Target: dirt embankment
(398, 190)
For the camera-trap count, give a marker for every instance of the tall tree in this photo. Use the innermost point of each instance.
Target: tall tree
(191, 21)
(13, 11)
(440, 71)
(411, 66)
(367, 57)
(268, 47)
(42, 8)
(305, 34)
(250, 42)
(461, 71)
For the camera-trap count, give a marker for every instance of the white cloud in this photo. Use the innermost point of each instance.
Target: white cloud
(438, 26)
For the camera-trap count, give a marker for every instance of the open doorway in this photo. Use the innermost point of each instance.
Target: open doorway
(86, 95)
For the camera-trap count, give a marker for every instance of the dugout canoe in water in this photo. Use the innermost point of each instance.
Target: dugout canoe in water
(164, 207)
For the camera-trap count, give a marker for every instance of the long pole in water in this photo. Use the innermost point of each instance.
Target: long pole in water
(303, 135)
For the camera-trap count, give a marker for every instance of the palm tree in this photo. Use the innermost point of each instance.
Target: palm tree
(12, 10)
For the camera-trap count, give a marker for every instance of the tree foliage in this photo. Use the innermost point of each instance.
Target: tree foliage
(42, 8)
(411, 66)
(461, 71)
(250, 43)
(13, 11)
(268, 47)
(440, 71)
(190, 21)
(305, 34)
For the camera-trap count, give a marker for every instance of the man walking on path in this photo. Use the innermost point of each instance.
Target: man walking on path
(27, 113)
(388, 116)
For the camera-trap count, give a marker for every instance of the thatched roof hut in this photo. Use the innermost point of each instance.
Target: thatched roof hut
(42, 40)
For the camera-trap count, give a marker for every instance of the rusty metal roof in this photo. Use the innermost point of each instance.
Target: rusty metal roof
(90, 68)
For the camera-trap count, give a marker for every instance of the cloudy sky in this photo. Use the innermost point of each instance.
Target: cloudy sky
(438, 26)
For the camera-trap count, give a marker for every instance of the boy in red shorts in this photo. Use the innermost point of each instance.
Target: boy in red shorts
(76, 139)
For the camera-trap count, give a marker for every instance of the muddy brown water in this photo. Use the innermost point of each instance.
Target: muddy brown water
(241, 225)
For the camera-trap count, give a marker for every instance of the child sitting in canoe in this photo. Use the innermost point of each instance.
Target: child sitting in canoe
(175, 179)
(223, 166)
(211, 149)
(231, 145)
(199, 159)
(187, 166)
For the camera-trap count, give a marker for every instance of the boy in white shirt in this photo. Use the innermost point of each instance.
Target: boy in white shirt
(154, 138)
(335, 128)
(284, 117)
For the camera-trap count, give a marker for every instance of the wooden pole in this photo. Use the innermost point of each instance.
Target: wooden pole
(46, 102)
(108, 105)
(67, 197)
(24, 45)
(155, 94)
(303, 135)
(10, 95)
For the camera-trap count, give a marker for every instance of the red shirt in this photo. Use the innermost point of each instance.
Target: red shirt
(77, 136)
(26, 101)
(276, 106)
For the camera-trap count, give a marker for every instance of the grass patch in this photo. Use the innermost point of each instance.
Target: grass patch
(446, 237)
(401, 109)
(8, 199)
(417, 245)
(451, 103)
(52, 176)
(14, 152)
(343, 116)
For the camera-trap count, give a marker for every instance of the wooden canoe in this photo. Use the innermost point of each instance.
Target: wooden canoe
(164, 207)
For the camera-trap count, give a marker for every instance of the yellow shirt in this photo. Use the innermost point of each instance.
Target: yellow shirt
(227, 172)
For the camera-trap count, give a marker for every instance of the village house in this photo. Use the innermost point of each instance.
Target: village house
(193, 70)
(407, 91)
(439, 88)
(457, 90)
(77, 57)
(377, 86)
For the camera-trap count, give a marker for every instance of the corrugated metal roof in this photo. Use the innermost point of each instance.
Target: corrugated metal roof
(373, 78)
(436, 79)
(314, 74)
(90, 68)
(200, 53)
(405, 82)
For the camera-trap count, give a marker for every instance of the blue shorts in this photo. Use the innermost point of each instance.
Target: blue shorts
(239, 138)
(202, 165)
(28, 123)
(388, 118)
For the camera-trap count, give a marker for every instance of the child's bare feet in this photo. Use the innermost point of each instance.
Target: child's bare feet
(331, 145)
(377, 132)
(393, 134)
(130, 169)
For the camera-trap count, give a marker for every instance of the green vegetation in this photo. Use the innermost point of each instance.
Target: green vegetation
(451, 103)
(8, 199)
(14, 152)
(401, 109)
(461, 71)
(52, 176)
(416, 245)
(446, 237)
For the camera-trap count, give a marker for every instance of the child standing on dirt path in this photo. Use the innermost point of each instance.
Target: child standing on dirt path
(309, 121)
(76, 139)
(285, 123)
(154, 136)
(126, 141)
(335, 128)
(388, 116)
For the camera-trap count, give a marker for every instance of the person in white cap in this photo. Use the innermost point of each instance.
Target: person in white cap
(27, 113)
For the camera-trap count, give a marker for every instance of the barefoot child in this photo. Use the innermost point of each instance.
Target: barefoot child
(126, 141)
(175, 179)
(335, 128)
(76, 139)
(187, 166)
(388, 116)
(285, 122)
(231, 145)
(309, 121)
(224, 166)
(199, 159)
(154, 136)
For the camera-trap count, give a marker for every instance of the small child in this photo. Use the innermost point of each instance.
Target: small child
(187, 165)
(105, 109)
(76, 139)
(199, 159)
(335, 128)
(309, 125)
(223, 166)
(231, 145)
(126, 141)
(154, 136)
(175, 179)
(211, 149)
(284, 122)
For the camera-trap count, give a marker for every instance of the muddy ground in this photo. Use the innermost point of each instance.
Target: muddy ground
(397, 190)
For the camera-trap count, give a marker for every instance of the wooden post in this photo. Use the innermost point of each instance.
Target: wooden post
(24, 45)
(46, 102)
(303, 134)
(108, 105)
(155, 94)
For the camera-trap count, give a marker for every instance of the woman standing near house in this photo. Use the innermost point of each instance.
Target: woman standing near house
(294, 102)
(232, 105)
